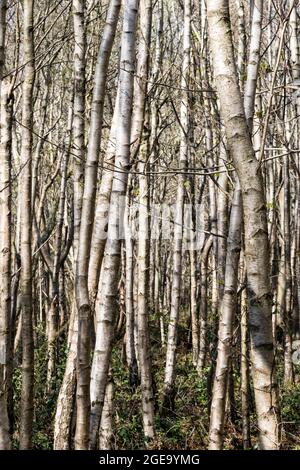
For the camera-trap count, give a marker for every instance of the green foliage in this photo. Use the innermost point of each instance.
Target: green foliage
(264, 68)
(44, 403)
(290, 404)
(290, 416)
(185, 427)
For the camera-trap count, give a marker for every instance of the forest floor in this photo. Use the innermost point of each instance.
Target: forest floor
(185, 427)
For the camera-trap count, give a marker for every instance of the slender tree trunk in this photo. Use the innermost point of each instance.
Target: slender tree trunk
(111, 262)
(168, 390)
(245, 378)
(194, 307)
(5, 256)
(142, 306)
(288, 326)
(130, 344)
(223, 359)
(53, 314)
(106, 431)
(226, 326)
(253, 61)
(102, 210)
(241, 54)
(13, 333)
(3, 10)
(140, 142)
(256, 234)
(203, 306)
(222, 230)
(78, 150)
(86, 226)
(26, 418)
(65, 400)
(82, 230)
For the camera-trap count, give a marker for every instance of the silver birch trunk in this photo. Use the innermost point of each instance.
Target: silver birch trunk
(256, 234)
(86, 227)
(65, 400)
(26, 418)
(169, 378)
(83, 342)
(203, 306)
(245, 376)
(5, 256)
(78, 150)
(102, 211)
(111, 261)
(288, 324)
(53, 314)
(106, 432)
(140, 144)
(130, 333)
(226, 325)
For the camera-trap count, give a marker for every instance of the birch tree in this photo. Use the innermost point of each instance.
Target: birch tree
(111, 261)
(226, 324)
(5, 237)
(255, 223)
(141, 142)
(85, 235)
(26, 419)
(153, 324)
(179, 211)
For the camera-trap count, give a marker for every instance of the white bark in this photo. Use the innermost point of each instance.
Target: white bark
(178, 219)
(256, 235)
(106, 432)
(86, 226)
(140, 141)
(5, 256)
(26, 419)
(111, 262)
(65, 400)
(226, 325)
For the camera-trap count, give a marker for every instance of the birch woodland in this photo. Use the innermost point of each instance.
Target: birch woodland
(149, 224)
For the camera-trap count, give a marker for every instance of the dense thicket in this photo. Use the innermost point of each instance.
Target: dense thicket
(149, 224)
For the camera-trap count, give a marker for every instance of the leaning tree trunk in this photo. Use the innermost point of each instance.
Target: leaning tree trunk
(106, 431)
(65, 400)
(226, 323)
(102, 211)
(26, 418)
(255, 221)
(86, 227)
(111, 262)
(217, 417)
